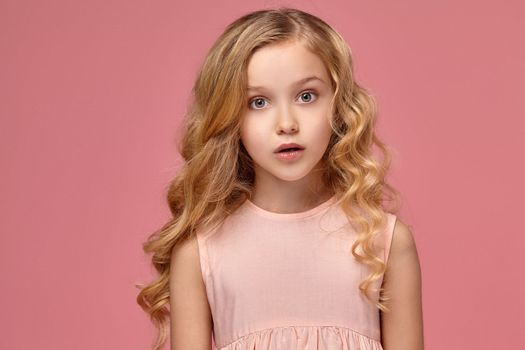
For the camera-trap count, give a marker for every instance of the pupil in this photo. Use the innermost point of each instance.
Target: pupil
(306, 94)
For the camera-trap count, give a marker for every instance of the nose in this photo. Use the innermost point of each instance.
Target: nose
(286, 122)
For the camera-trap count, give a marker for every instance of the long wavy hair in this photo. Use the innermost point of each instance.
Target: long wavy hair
(217, 174)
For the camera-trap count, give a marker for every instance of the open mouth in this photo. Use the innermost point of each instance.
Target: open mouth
(291, 149)
(290, 154)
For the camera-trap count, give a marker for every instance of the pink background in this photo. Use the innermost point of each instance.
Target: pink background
(92, 93)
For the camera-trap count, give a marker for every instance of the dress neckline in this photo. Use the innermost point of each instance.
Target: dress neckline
(290, 216)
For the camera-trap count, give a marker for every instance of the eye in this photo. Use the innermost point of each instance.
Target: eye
(308, 93)
(257, 99)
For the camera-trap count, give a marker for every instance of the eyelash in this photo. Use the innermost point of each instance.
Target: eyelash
(303, 92)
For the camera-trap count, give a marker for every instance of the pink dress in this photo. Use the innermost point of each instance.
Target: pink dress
(288, 281)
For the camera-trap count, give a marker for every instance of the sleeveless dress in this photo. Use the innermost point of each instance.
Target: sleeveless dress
(289, 281)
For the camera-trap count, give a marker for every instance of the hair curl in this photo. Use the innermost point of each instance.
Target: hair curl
(217, 173)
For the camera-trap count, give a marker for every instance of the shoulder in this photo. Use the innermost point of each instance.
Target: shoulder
(185, 249)
(403, 241)
(185, 260)
(403, 260)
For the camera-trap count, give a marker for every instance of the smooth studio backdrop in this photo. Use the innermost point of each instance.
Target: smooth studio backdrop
(92, 94)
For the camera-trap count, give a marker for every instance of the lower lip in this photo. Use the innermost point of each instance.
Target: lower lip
(291, 155)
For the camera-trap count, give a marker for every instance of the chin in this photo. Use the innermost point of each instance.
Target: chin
(290, 179)
(290, 175)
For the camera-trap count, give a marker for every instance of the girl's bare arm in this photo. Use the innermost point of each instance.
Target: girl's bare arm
(191, 321)
(402, 328)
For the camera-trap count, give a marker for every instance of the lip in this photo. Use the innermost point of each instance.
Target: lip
(289, 156)
(288, 145)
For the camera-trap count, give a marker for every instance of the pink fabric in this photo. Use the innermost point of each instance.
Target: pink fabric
(288, 281)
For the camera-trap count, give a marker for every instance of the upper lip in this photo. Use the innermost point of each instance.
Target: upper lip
(287, 145)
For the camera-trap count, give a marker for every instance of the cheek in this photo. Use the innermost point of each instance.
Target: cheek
(250, 137)
(322, 130)
(245, 132)
(319, 135)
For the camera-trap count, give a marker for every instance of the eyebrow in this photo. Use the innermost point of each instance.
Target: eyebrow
(299, 82)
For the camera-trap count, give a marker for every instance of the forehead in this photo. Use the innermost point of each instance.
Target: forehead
(284, 65)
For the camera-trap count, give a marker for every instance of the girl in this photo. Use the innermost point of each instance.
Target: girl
(280, 237)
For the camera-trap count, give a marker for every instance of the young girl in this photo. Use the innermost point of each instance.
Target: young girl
(280, 237)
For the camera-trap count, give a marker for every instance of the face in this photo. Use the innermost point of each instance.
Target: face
(283, 106)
